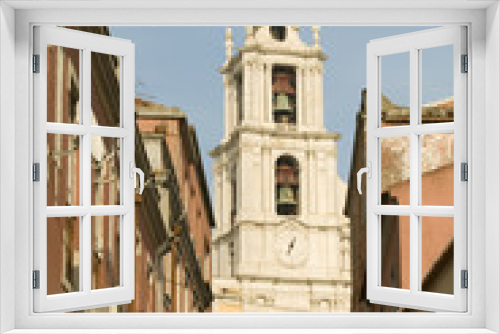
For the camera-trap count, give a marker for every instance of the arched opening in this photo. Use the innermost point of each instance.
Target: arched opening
(278, 33)
(284, 94)
(287, 185)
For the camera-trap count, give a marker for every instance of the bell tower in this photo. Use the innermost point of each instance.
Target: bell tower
(282, 241)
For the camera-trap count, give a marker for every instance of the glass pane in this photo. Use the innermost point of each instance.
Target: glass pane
(437, 84)
(63, 169)
(395, 170)
(437, 254)
(105, 252)
(437, 169)
(395, 252)
(395, 83)
(105, 171)
(105, 89)
(63, 85)
(63, 255)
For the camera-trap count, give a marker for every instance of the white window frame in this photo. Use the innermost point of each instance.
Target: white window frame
(484, 50)
(86, 43)
(412, 44)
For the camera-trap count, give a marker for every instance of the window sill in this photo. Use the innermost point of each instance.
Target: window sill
(252, 331)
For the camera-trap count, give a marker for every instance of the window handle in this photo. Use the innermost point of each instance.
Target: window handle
(368, 171)
(134, 170)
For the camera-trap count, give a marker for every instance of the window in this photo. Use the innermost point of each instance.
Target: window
(81, 202)
(287, 185)
(409, 218)
(477, 19)
(239, 98)
(278, 33)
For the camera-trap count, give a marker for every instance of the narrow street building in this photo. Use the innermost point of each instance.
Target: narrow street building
(178, 175)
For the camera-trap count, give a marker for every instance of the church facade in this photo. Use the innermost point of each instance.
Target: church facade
(282, 243)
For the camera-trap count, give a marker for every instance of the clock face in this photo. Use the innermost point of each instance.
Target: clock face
(292, 245)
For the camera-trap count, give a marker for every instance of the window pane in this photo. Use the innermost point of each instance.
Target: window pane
(395, 83)
(395, 252)
(63, 169)
(437, 84)
(105, 252)
(63, 255)
(437, 169)
(105, 171)
(437, 254)
(105, 92)
(63, 85)
(395, 170)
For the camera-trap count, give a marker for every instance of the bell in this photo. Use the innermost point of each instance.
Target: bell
(282, 83)
(284, 119)
(286, 196)
(282, 103)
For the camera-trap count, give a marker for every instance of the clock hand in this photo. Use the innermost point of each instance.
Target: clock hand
(291, 245)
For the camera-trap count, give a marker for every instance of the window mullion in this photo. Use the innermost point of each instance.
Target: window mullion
(435, 128)
(434, 211)
(414, 169)
(105, 131)
(392, 131)
(85, 249)
(392, 210)
(66, 211)
(68, 129)
(108, 210)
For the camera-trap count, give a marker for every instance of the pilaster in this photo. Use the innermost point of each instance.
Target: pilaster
(247, 93)
(259, 91)
(234, 104)
(306, 180)
(319, 96)
(300, 112)
(268, 96)
(312, 182)
(306, 97)
(217, 197)
(266, 170)
(227, 106)
(313, 97)
(226, 199)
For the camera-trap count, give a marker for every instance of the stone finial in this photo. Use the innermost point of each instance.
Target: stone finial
(229, 44)
(248, 35)
(315, 30)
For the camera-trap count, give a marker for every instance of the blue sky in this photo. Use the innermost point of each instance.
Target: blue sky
(178, 66)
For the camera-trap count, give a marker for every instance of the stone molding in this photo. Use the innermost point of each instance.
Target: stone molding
(268, 133)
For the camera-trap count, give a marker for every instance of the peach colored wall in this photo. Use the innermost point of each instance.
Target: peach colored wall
(402, 192)
(437, 232)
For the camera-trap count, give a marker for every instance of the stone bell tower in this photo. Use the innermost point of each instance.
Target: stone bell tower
(282, 241)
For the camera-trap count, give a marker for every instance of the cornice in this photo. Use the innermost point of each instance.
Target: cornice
(157, 112)
(269, 50)
(275, 132)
